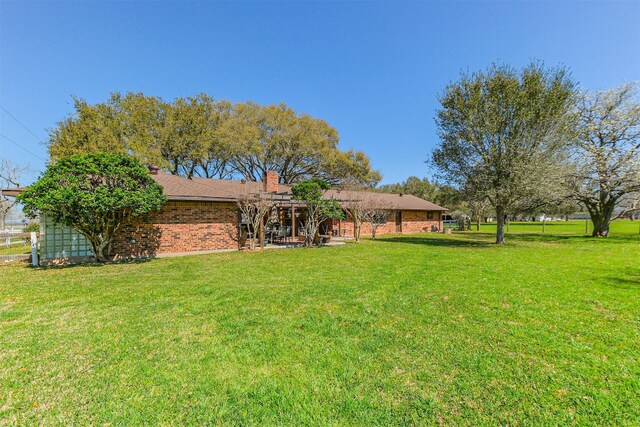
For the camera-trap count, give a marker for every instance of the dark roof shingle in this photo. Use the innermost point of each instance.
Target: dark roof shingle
(226, 190)
(206, 189)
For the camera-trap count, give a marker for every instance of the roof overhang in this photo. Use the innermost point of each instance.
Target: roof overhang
(12, 192)
(282, 199)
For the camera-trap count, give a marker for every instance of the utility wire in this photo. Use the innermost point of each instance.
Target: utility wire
(22, 124)
(25, 149)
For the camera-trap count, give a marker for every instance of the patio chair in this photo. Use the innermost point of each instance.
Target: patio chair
(282, 234)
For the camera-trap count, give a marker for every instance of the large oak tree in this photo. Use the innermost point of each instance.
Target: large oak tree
(200, 136)
(606, 174)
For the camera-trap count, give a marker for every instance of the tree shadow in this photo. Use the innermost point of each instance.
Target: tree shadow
(561, 238)
(137, 240)
(92, 264)
(475, 239)
(426, 240)
(622, 278)
(624, 282)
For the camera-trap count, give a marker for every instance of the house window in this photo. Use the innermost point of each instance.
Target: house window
(380, 218)
(430, 215)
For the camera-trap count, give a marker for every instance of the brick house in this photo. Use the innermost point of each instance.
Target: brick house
(201, 216)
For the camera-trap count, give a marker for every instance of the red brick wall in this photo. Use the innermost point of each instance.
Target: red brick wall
(271, 182)
(179, 227)
(418, 221)
(412, 222)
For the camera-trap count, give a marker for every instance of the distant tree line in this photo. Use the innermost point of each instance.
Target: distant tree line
(202, 137)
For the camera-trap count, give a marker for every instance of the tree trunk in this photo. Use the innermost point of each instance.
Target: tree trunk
(478, 222)
(100, 249)
(500, 229)
(601, 218)
(356, 230)
(600, 225)
(310, 235)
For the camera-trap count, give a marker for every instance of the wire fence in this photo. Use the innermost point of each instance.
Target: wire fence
(574, 227)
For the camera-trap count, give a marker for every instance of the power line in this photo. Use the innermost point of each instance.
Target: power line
(21, 124)
(25, 149)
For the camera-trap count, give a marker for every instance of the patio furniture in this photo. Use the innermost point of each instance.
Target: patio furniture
(283, 234)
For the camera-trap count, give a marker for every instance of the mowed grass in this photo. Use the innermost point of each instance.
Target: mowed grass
(16, 249)
(408, 330)
(578, 228)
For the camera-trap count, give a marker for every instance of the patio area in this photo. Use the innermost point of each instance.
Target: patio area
(284, 228)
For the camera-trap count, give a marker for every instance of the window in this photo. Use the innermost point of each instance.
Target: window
(430, 215)
(380, 218)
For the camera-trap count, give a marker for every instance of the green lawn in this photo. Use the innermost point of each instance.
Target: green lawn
(578, 228)
(407, 330)
(16, 248)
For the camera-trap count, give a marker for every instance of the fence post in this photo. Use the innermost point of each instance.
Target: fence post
(34, 249)
(586, 226)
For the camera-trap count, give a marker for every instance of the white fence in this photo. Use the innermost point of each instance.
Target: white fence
(17, 246)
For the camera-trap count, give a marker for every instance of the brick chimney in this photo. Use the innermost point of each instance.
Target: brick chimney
(271, 182)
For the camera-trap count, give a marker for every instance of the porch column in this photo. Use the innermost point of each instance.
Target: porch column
(294, 231)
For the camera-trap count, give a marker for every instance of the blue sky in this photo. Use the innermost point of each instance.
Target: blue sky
(372, 70)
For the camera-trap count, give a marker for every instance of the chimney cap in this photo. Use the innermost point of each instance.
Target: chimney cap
(153, 169)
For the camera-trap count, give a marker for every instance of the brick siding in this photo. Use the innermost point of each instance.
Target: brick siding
(418, 221)
(204, 226)
(412, 222)
(179, 227)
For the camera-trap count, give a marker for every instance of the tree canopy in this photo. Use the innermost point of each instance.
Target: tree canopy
(201, 136)
(502, 135)
(95, 194)
(415, 186)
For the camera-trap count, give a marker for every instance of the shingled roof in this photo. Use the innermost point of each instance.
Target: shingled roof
(406, 202)
(207, 189)
(227, 190)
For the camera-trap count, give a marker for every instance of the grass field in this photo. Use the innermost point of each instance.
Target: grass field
(578, 228)
(16, 248)
(406, 330)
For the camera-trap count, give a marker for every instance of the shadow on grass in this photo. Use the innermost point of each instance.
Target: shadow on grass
(625, 282)
(425, 240)
(475, 239)
(93, 264)
(557, 238)
(627, 278)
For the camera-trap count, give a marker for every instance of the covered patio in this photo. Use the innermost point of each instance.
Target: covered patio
(284, 227)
